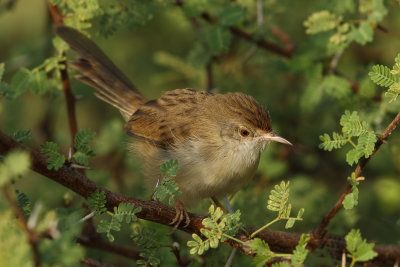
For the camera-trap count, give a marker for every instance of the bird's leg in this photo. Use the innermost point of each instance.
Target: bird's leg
(181, 214)
(218, 204)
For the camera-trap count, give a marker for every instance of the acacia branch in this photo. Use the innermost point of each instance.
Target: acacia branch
(320, 232)
(69, 97)
(287, 51)
(160, 213)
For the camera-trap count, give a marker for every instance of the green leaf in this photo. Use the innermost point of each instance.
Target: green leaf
(21, 135)
(81, 144)
(351, 124)
(217, 38)
(167, 188)
(38, 82)
(366, 144)
(24, 203)
(97, 201)
(83, 138)
(329, 144)
(170, 167)
(352, 156)
(231, 15)
(393, 91)
(363, 34)
(321, 21)
(262, 251)
(300, 253)
(374, 9)
(52, 151)
(381, 75)
(351, 200)
(15, 163)
(125, 210)
(81, 158)
(358, 248)
(20, 81)
(336, 86)
(279, 197)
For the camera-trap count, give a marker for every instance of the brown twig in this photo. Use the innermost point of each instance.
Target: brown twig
(90, 238)
(69, 97)
(95, 263)
(160, 213)
(320, 232)
(32, 236)
(260, 42)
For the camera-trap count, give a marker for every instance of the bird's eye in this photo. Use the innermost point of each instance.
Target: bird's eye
(244, 132)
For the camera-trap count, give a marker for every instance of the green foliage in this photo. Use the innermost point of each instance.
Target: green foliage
(124, 210)
(359, 31)
(21, 135)
(278, 201)
(52, 151)
(14, 164)
(148, 242)
(351, 200)
(231, 15)
(24, 203)
(81, 144)
(170, 167)
(168, 188)
(219, 226)
(383, 76)
(63, 250)
(300, 253)
(97, 201)
(352, 126)
(358, 248)
(320, 22)
(262, 251)
(217, 39)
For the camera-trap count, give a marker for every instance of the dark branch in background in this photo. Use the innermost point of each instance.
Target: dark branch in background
(320, 232)
(90, 238)
(94, 263)
(69, 97)
(160, 213)
(287, 51)
(33, 238)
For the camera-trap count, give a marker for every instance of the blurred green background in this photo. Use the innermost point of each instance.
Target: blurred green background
(158, 55)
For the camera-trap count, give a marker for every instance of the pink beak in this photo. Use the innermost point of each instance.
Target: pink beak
(273, 137)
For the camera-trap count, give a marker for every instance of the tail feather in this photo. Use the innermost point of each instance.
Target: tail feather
(100, 72)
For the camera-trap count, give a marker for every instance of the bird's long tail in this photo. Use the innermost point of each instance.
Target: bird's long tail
(99, 71)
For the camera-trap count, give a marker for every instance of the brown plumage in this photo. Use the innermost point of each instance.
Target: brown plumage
(216, 138)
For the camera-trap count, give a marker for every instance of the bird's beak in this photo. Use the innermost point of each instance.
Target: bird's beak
(273, 137)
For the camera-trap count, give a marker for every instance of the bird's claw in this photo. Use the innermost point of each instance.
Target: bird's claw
(181, 215)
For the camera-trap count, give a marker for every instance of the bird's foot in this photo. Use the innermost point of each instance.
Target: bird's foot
(181, 215)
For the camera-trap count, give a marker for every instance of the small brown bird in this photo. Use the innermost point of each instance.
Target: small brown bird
(216, 138)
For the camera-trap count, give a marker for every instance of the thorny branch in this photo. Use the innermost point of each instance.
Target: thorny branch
(160, 213)
(320, 232)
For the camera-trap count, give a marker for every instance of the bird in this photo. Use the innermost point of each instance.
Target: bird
(217, 139)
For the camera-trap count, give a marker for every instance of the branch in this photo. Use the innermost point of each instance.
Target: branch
(160, 213)
(320, 232)
(69, 97)
(260, 42)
